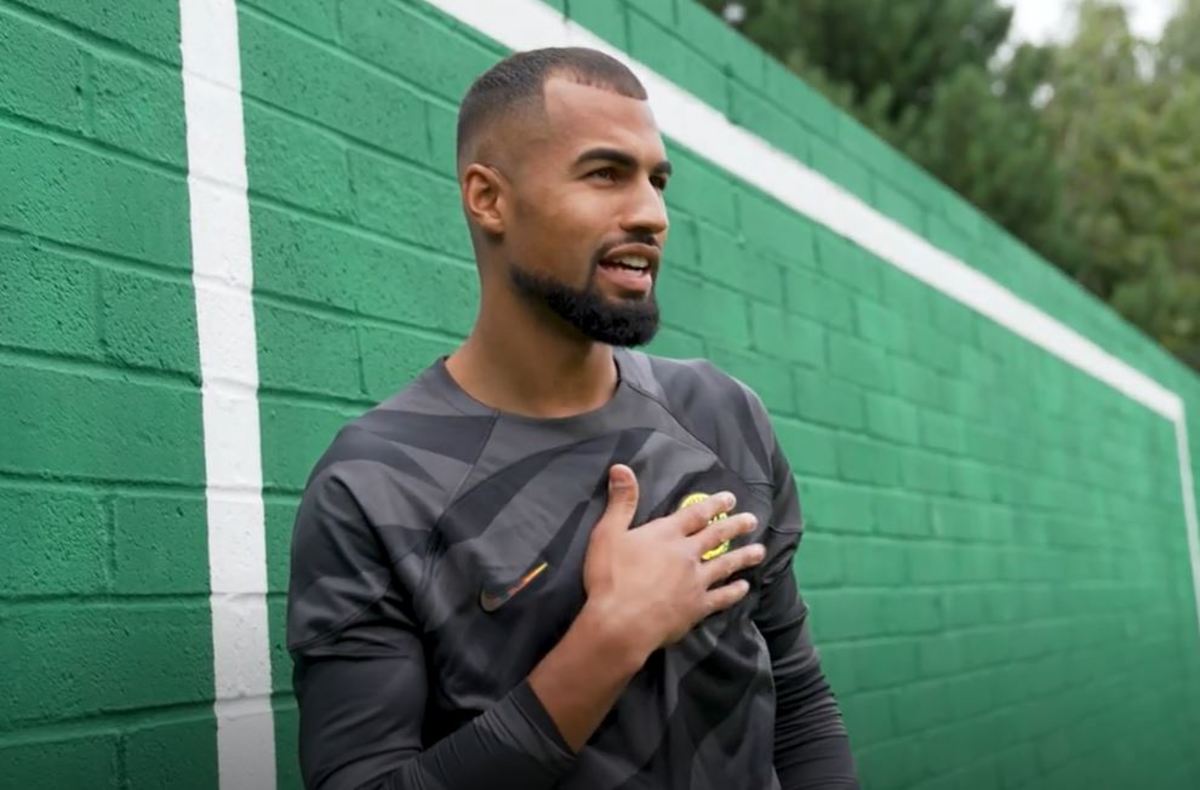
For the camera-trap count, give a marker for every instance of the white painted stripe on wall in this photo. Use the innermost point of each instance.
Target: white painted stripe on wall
(530, 24)
(222, 276)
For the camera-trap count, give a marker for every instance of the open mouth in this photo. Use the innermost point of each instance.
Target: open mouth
(631, 272)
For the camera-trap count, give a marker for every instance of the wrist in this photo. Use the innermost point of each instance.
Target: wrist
(613, 636)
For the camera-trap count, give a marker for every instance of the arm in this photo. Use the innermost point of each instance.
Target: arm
(812, 750)
(360, 673)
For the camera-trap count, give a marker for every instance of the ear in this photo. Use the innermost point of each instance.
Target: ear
(484, 197)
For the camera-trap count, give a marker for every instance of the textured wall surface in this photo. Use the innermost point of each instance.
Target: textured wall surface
(995, 557)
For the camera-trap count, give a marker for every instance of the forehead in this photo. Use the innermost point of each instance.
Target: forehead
(580, 117)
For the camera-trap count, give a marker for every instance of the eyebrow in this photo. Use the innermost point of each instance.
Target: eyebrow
(621, 158)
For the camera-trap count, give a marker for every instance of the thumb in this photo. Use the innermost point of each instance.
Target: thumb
(622, 498)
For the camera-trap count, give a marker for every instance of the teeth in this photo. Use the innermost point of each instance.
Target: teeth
(634, 261)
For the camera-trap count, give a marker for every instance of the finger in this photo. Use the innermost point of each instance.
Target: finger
(622, 502)
(694, 517)
(723, 529)
(726, 565)
(726, 596)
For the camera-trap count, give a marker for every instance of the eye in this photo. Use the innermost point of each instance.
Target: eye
(604, 174)
(659, 182)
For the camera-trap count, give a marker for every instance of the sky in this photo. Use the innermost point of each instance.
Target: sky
(1038, 21)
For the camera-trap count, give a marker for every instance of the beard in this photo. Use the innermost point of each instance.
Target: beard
(624, 323)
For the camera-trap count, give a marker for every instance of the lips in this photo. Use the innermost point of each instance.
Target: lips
(631, 267)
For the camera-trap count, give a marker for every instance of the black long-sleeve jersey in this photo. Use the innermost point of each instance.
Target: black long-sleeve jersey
(437, 557)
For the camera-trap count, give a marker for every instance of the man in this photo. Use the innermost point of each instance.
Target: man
(526, 570)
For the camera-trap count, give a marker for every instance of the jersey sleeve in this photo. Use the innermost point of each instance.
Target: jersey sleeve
(812, 749)
(360, 671)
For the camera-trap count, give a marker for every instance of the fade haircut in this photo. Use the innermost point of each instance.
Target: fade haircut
(518, 80)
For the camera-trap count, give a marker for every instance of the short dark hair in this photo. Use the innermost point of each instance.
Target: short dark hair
(520, 78)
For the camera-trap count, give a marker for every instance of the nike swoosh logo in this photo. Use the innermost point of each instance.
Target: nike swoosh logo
(491, 600)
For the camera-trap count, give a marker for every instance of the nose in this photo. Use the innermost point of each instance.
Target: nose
(647, 211)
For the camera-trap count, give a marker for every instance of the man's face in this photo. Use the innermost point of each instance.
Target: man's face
(588, 221)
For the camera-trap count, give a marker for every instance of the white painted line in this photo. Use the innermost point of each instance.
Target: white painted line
(530, 24)
(1189, 504)
(222, 275)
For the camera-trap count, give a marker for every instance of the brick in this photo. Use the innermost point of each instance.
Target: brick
(837, 506)
(282, 69)
(897, 205)
(725, 319)
(774, 230)
(412, 46)
(881, 327)
(662, 51)
(728, 264)
(86, 659)
(442, 126)
(828, 401)
(845, 262)
(887, 664)
(137, 108)
(890, 418)
(317, 17)
(677, 343)
(840, 167)
(294, 436)
(818, 562)
(51, 188)
(859, 362)
(901, 513)
(57, 542)
(816, 297)
(43, 75)
(682, 249)
(149, 322)
(875, 563)
(701, 189)
(149, 28)
(770, 380)
(803, 102)
(393, 358)
(303, 351)
(49, 301)
(180, 754)
(605, 18)
(787, 336)
(810, 449)
(160, 545)
(764, 119)
(868, 717)
(867, 461)
(940, 432)
(342, 267)
(79, 760)
(80, 425)
(296, 162)
(408, 204)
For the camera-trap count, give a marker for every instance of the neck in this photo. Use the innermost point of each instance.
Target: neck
(532, 364)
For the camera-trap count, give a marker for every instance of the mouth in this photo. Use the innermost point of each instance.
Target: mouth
(631, 267)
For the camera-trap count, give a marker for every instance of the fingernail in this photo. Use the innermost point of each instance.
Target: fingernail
(760, 551)
(728, 500)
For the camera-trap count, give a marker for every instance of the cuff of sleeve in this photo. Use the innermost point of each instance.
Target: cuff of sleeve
(537, 716)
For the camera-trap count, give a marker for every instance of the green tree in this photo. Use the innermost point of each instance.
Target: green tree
(917, 73)
(1088, 151)
(1124, 118)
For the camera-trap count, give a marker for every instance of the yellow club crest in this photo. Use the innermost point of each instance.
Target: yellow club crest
(692, 499)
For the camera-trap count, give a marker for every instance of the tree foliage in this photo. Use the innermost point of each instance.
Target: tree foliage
(1088, 151)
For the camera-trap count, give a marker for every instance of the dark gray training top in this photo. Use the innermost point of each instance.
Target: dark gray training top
(437, 558)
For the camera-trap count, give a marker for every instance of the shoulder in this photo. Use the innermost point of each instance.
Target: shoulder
(716, 407)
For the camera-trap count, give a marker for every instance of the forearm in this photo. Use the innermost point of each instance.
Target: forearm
(812, 749)
(595, 649)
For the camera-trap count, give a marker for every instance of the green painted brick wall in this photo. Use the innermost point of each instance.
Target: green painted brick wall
(105, 634)
(995, 557)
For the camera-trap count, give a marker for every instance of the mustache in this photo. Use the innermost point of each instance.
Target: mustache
(633, 238)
